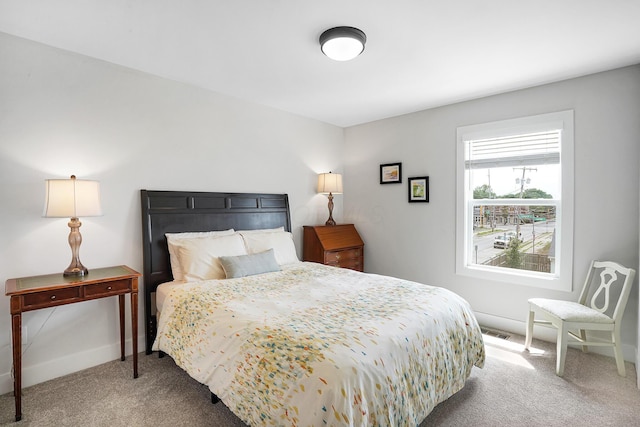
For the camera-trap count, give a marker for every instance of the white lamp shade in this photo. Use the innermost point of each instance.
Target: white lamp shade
(330, 183)
(72, 198)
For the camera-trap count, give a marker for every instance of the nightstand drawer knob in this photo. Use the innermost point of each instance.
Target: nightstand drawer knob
(53, 297)
(109, 288)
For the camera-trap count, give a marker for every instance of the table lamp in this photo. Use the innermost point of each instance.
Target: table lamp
(330, 183)
(72, 198)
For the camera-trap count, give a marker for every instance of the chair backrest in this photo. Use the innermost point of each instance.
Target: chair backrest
(611, 274)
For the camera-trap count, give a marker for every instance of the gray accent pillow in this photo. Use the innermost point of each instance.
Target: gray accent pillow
(248, 265)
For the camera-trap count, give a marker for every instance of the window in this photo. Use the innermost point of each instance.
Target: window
(515, 200)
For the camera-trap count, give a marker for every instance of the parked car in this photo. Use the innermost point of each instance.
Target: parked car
(501, 241)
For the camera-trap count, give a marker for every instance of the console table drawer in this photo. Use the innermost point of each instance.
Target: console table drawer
(107, 288)
(48, 298)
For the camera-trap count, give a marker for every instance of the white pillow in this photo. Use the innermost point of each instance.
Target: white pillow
(175, 239)
(199, 257)
(281, 242)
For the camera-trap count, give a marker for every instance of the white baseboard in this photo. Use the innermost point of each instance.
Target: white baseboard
(69, 364)
(6, 383)
(546, 334)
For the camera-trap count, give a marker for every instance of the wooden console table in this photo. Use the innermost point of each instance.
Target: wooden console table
(36, 292)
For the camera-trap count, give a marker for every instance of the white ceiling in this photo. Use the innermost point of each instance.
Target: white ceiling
(419, 53)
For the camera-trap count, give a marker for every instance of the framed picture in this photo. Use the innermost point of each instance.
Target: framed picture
(419, 189)
(391, 173)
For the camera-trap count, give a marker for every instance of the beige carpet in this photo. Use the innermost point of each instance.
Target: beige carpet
(514, 389)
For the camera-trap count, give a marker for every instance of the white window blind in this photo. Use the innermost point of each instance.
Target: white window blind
(514, 150)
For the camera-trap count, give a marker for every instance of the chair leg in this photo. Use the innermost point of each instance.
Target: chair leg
(529, 335)
(617, 349)
(583, 336)
(561, 350)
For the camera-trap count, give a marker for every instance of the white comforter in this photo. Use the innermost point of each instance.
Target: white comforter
(314, 345)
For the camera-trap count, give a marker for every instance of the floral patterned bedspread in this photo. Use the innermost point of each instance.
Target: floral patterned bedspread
(314, 345)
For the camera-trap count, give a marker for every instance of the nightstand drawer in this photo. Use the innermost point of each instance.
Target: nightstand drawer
(108, 288)
(48, 298)
(352, 263)
(334, 257)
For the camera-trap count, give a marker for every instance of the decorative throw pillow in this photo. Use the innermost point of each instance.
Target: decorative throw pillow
(249, 265)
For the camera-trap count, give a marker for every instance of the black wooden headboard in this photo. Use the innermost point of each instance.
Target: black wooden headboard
(182, 211)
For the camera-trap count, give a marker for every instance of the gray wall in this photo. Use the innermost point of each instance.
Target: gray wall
(417, 241)
(63, 114)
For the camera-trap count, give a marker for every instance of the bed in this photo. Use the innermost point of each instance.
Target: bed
(284, 342)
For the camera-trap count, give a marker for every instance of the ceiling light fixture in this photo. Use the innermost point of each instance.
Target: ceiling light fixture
(342, 43)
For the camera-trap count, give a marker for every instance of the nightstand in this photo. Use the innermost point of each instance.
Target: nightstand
(36, 292)
(336, 245)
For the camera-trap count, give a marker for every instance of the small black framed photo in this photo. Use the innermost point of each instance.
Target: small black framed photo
(419, 189)
(391, 173)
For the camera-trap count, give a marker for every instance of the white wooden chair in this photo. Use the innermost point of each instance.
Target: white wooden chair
(573, 319)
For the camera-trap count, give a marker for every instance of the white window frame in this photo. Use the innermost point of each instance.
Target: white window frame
(561, 279)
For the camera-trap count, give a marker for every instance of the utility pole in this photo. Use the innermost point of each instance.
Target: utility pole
(524, 170)
(493, 208)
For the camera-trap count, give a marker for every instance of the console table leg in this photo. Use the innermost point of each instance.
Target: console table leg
(16, 323)
(134, 330)
(121, 312)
